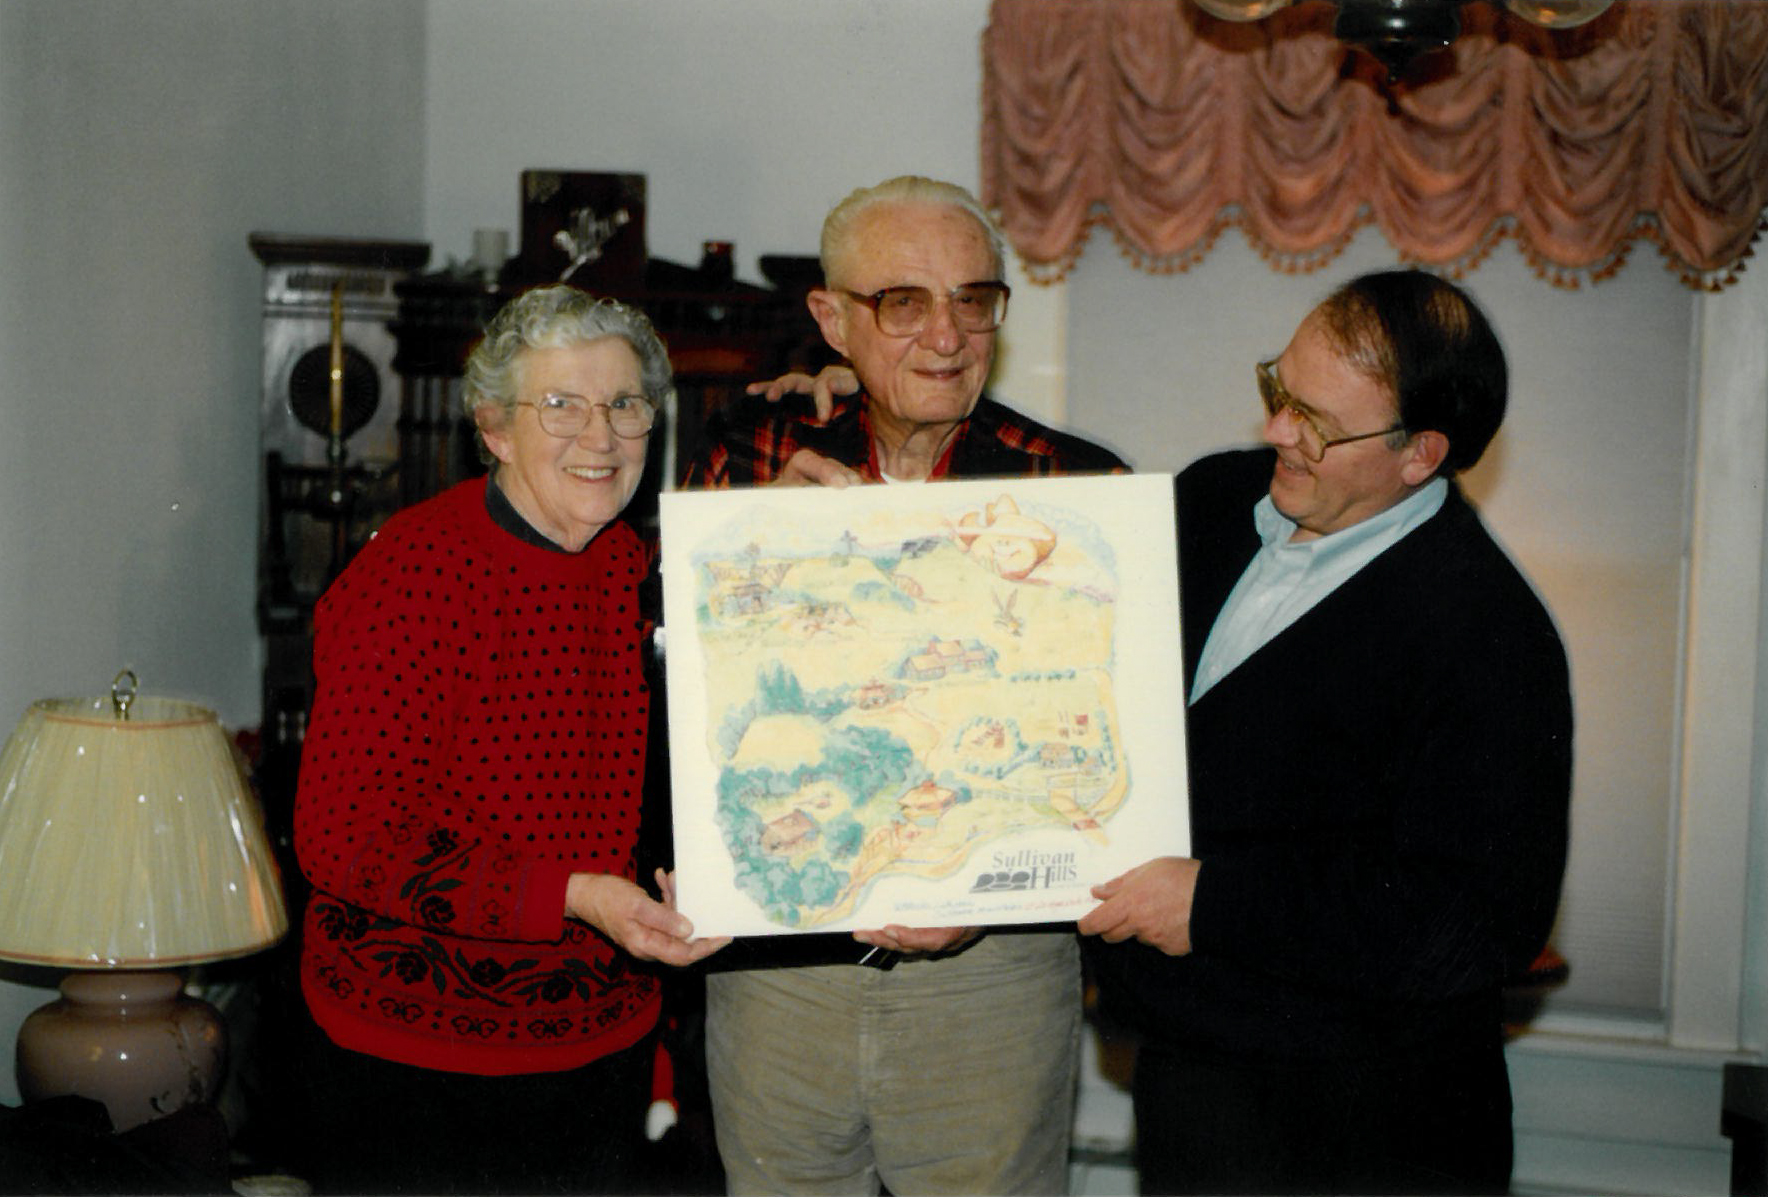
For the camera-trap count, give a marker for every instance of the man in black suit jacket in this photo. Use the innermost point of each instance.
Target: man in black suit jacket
(1380, 767)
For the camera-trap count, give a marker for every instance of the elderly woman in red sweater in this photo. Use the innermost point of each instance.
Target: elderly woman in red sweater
(469, 795)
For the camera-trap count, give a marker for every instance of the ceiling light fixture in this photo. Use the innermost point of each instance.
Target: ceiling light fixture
(1398, 31)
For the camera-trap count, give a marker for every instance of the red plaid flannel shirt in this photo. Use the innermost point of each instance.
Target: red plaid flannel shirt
(749, 443)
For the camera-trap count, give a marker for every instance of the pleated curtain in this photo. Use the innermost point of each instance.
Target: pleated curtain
(1167, 127)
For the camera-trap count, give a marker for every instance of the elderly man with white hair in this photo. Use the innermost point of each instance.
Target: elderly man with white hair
(925, 1060)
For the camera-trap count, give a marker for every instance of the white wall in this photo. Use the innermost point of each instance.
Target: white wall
(748, 119)
(141, 143)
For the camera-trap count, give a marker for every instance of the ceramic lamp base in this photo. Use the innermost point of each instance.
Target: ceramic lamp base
(131, 1040)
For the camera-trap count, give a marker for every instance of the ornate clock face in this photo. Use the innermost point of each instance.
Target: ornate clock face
(310, 389)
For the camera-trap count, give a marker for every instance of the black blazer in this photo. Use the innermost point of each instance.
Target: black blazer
(1379, 797)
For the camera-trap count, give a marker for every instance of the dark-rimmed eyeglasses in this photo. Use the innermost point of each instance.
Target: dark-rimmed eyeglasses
(565, 416)
(1309, 438)
(904, 311)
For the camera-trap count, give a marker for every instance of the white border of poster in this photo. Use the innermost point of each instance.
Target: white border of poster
(1000, 757)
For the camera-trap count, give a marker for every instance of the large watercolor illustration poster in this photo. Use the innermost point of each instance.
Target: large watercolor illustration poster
(946, 704)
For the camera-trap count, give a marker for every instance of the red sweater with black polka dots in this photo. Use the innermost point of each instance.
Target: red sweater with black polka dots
(478, 735)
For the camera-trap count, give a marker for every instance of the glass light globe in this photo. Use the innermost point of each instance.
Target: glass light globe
(1558, 14)
(1241, 10)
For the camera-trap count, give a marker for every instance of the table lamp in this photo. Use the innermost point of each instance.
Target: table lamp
(130, 846)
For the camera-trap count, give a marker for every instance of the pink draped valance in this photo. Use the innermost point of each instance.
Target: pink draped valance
(1167, 127)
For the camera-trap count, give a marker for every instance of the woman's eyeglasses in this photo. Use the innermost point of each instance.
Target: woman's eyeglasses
(629, 416)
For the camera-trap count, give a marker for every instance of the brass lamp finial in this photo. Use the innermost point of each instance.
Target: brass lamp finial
(123, 689)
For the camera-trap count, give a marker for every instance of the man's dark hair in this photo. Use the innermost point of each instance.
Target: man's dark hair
(1428, 343)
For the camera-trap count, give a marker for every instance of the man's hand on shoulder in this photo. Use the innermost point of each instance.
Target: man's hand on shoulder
(829, 382)
(1150, 903)
(807, 467)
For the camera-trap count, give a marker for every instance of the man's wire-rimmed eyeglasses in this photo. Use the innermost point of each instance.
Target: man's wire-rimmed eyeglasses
(1309, 438)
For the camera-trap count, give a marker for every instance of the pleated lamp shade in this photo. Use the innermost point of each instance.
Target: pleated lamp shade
(130, 842)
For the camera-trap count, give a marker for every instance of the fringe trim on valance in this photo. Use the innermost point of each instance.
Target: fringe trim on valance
(1167, 127)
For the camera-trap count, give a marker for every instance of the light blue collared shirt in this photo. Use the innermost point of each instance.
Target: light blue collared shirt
(1284, 581)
